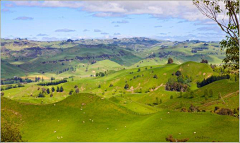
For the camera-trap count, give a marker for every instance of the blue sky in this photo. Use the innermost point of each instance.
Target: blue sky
(52, 20)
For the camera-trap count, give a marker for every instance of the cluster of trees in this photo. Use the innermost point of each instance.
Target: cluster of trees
(52, 83)
(212, 79)
(67, 69)
(15, 80)
(176, 86)
(101, 74)
(204, 61)
(12, 86)
(48, 91)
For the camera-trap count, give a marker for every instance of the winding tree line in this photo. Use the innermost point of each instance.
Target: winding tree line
(212, 79)
(52, 83)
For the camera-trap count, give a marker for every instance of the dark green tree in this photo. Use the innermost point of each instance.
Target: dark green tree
(61, 89)
(48, 91)
(58, 89)
(53, 89)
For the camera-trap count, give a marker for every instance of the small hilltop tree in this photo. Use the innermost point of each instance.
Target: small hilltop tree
(170, 60)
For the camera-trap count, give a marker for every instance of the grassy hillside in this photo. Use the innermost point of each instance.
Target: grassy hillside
(98, 120)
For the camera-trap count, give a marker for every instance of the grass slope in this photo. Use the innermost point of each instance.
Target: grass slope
(38, 122)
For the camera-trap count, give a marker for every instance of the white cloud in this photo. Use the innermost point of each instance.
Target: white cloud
(175, 9)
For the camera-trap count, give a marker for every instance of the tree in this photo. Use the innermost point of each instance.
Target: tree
(10, 133)
(204, 61)
(48, 91)
(178, 73)
(61, 89)
(53, 89)
(155, 76)
(228, 23)
(170, 60)
(58, 89)
(77, 90)
(126, 86)
(40, 94)
(71, 92)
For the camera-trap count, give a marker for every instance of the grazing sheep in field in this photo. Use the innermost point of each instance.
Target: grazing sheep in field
(107, 128)
(194, 132)
(168, 112)
(83, 121)
(58, 120)
(55, 131)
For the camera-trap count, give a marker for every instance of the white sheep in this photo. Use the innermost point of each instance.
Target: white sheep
(55, 131)
(83, 121)
(107, 128)
(194, 132)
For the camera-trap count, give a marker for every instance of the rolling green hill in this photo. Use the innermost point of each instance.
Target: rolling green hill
(86, 117)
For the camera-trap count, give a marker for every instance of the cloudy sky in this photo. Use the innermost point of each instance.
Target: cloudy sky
(55, 20)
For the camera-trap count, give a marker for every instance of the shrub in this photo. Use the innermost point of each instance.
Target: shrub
(2, 93)
(99, 86)
(51, 95)
(193, 109)
(71, 92)
(155, 76)
(111, 85)
(126, 86)
(216, 108)
(171, 139)
(41, 94)
(77, 90)
(178, 73)
(171, 97)
(184, 109)
(224, 111)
